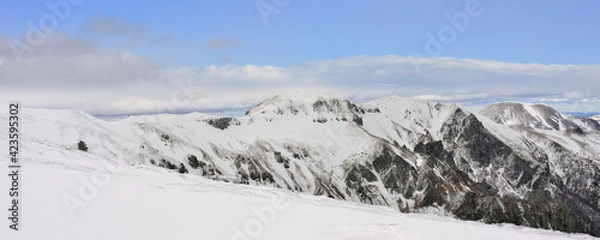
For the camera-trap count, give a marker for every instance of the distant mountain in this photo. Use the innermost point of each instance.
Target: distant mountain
(514, 163)
(597, 118)
(537, 116)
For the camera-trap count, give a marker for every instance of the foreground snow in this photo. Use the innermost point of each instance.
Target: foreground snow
(140, 202)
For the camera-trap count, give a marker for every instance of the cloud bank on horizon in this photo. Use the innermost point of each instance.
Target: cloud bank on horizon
(116, 63)
(71, 72)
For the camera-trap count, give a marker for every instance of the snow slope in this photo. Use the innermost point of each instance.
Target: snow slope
(133, 201)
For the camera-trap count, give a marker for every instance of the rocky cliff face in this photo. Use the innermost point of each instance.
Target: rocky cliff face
(402, 153)
(519, 189)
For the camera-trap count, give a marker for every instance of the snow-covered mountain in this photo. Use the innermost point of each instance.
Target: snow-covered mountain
(597, 118)
(144, 202)
(537, 116)
(402, 153)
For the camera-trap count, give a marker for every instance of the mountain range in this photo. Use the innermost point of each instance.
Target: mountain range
(517, 163)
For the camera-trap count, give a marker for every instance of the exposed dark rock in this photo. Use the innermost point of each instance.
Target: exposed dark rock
(182, 169)
(256, 171)
(325, 187)
(82, 146)
(468, 207)
(193, 161)
(222, 123)
(166, 164)
(358, 120)
(397, 175)
(320, 120)
(281, 159)
(164, 137)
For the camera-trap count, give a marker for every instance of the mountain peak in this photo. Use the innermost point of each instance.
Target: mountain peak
(302, 102)
(304, 95)
(538, 116)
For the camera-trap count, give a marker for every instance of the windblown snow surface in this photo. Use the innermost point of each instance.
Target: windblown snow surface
(131, 201)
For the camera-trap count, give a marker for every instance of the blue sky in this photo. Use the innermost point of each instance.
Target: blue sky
(169, 39)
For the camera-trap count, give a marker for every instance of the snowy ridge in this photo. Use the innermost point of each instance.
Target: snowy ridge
(291, 102)
(398, 152)
(416, 115)
(536, 116)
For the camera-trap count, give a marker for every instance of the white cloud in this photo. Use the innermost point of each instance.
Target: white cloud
(71, 72)
(247, 73)
(67, 62)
